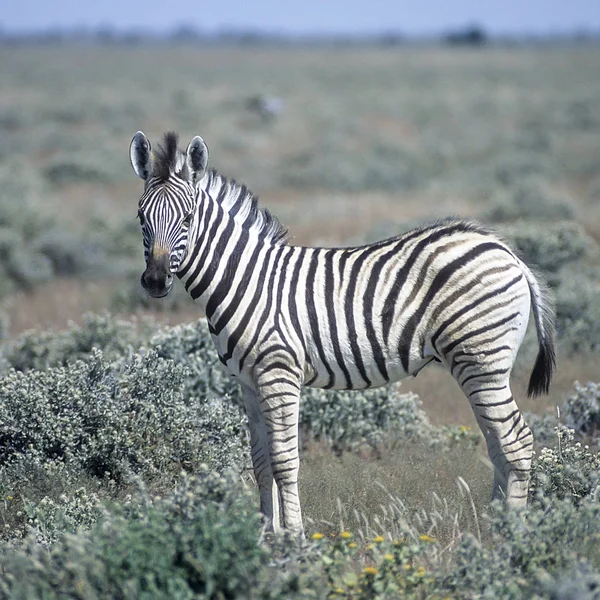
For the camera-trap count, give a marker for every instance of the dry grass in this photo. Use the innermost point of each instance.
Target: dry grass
(368, 484)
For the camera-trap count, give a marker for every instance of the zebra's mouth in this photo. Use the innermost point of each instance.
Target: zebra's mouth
(159, 293)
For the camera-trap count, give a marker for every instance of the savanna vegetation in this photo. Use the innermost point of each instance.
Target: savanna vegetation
(124, 465)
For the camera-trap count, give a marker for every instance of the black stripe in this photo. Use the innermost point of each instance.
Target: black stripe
(210, 269)
(369, 318)
(201, 237)
(514, 426)
(444, 303)
(438, 282)
(514, 413)
(229, 311)
(475, 303)
(280, 284)
(313, 318)
(235, 336)
(483, 390)
(349, 312)
(479, 331)
(493, 404)
(401, 276)
(293, 307)
(224, 285)
(331, 317)
(272, 349)
(484, 374)
(267, 309)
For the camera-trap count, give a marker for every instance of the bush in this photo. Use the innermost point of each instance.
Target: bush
(552, 247)
(351, 419)
(527, 550)
(109, 422)
(43, 349)
(528, 199)
(570, 470)
(202, 540)
(102, 422)
(578, 310)
(581, 410)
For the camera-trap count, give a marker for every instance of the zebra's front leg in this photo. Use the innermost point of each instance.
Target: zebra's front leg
(279, 392)
(261, 461)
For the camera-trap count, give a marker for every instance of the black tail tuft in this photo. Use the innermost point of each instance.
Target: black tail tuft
(545, 317)
(539, 382)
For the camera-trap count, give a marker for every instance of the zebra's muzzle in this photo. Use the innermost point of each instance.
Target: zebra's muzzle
(158, 285)
(157, 279)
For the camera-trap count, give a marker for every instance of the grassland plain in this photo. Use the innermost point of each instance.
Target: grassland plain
(370, 142)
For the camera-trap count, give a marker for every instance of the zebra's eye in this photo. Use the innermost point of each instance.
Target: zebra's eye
(188, 219)
(141, 218)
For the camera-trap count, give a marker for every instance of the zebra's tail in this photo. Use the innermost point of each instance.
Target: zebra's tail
(544, 316)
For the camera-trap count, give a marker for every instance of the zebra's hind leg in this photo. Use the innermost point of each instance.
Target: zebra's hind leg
(509, 439)
(261, 461)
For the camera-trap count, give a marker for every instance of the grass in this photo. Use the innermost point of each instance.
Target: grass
(338, 491)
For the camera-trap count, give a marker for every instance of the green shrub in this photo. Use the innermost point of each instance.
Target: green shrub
(111, 418)
(552, 246)
(40, 350)
(200, 541)
(570, 470)
(581, 410)
(529, 199)
(351, 419)
(526, 549)
(578, 310)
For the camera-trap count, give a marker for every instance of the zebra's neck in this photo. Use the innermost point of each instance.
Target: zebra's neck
(226, 243)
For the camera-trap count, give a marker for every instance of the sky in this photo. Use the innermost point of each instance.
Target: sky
(411, 17)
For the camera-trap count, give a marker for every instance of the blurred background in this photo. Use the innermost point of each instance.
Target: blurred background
(351, 122)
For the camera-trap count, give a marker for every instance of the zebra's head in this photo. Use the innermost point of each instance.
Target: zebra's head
(167, 206)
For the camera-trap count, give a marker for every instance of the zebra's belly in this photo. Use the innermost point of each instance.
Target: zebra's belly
(360, 377)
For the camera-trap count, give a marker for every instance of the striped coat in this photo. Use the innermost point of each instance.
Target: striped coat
(284, 316)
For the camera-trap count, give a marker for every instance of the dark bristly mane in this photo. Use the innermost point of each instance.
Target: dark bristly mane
(242, 204)
(164, 161)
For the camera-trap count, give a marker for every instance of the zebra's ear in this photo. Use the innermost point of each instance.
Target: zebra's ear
(197, 159)
(139, 155)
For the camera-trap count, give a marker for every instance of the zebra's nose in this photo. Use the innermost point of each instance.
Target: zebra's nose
(156, 282)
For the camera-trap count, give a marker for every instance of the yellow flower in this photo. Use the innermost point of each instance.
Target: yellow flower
(465, 428)
(369, 546)
(388, 556)
(352, 545)
(339, 591)
(317, 536)
(345, 535)
(408, 567)
(427, 538)
(370, 570)
(421, 571)
(378, 539)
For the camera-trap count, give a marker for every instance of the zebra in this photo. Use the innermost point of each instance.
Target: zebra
(283, 316)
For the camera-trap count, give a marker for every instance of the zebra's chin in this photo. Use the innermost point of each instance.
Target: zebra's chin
(159, 293)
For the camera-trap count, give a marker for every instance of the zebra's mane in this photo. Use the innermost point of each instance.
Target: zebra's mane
(167, 159)
(236, 199)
